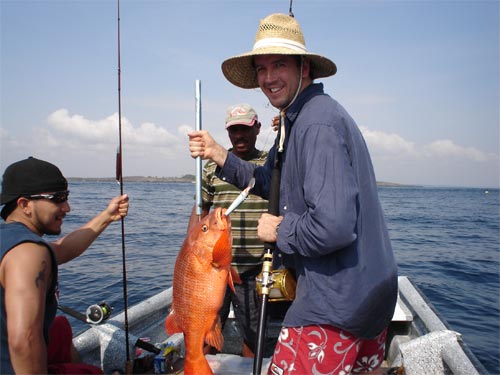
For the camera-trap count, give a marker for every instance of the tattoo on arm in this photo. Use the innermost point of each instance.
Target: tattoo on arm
(41, 274)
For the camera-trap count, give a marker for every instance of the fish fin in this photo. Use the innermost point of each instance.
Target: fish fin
(214, 336)
(234, 274)
(232, 278)
(221, 255)
(171, 325)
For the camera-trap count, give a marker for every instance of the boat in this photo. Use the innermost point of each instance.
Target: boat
(419, 341)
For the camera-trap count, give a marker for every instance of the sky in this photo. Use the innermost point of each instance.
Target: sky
(420, 78)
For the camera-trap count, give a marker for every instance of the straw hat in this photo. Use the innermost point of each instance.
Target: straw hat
(278, 34)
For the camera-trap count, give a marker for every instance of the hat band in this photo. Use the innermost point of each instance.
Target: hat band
(279, 42)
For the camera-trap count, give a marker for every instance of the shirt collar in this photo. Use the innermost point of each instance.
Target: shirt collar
(312, 90)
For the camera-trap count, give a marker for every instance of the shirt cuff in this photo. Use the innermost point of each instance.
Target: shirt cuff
(286, 233)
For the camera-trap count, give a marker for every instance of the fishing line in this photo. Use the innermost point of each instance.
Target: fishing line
(266, 144)
(266, 141)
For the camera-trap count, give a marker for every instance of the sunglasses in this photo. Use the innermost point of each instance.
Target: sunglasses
(57, 197)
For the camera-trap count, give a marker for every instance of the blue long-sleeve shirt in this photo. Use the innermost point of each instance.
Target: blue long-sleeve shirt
(333, 230)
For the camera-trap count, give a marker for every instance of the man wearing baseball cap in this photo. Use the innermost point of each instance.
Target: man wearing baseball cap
(331, 227)
(35, 202)
(243, 127)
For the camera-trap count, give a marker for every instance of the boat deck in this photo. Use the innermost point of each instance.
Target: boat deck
(229, 363)
(418, 340)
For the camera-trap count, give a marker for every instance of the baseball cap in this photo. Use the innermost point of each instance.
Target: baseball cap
(241, 114)
(31, 176)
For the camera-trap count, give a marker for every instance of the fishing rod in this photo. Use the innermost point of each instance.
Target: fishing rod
(119, 179)
(99, 313)
(269, 247)
(266, 277)
(95, 314)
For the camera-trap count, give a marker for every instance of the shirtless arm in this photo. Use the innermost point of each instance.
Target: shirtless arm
(76, 242)
(25, 273)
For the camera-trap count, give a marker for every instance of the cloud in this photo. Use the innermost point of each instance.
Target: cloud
(446, 148)
(390, 144)
(387, 143)
(184, 129)
(86, 148)
(75, 131)
(440, 162)
(78, 127)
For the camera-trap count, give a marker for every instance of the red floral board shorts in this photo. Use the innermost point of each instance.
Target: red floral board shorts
(325, 349)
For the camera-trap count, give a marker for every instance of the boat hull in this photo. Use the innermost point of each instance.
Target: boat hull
(419, 340)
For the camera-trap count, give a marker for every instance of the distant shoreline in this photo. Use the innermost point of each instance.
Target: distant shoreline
(183, 179)
(186, 179)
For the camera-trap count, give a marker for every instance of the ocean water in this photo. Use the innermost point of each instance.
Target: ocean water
(445, 239)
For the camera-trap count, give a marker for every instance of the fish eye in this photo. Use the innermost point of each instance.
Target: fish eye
(204, 228)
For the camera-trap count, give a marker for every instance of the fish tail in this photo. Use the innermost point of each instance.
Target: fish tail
(195, 362)
(197, 366)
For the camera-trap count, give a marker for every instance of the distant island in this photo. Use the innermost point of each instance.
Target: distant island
(188, 178)
(184, 179)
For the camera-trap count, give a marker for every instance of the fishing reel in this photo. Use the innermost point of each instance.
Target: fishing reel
(98, 313)
(282, 285)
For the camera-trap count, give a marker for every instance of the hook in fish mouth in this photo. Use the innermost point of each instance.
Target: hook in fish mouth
(240, 198)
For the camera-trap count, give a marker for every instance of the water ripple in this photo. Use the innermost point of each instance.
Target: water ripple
(445, 240)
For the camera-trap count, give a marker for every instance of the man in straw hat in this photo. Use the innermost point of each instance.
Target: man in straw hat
(331, 228)
(35, 202)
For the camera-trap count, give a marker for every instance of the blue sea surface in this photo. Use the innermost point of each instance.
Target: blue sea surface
(447, 240)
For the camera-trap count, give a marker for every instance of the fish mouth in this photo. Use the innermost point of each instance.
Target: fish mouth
(221, 218)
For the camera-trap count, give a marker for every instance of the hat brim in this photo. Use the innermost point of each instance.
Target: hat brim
(6, 198)
(240, 71)
(241, 122)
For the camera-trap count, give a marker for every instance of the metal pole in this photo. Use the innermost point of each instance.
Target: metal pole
(198, 158)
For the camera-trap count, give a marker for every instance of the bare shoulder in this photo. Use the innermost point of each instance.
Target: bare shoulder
(27, 262)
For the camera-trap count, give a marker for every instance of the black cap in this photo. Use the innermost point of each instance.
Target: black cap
(31, 176)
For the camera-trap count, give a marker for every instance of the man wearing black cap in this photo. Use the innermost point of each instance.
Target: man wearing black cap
(35, 201)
